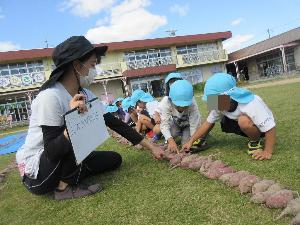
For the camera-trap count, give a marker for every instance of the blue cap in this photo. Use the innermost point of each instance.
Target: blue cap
(118, 100)
(223, 83)
(136, 95)
(181, 93)
(111, 108)
(127, 103)
(147, 98)
(173, 75)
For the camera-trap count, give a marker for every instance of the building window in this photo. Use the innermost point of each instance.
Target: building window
(190, 49)
(193, 75)
(21, 68)
(290, 59)
(154, 85)
(22, 74)
(270, 65)
(148, 58)
(194, 54)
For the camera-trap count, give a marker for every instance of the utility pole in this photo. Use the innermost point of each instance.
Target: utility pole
(47, 44)
(269, 32)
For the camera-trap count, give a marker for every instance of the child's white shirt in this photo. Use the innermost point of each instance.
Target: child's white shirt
(167, 112)
(152, 107)
(256, 110)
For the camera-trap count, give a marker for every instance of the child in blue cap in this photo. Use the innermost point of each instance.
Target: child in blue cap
(139, 114)
(170, 79)
(132, 110)
(128, 108)
(120, 111)
(179, 114)
(241, 112)
(201, 143)
(149, 115)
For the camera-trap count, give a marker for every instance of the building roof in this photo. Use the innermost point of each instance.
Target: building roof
(121, 46)
(149, 71)
(25, 54)
(167, 41)
(266, 45)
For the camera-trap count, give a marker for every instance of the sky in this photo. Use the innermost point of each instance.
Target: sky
(29, 24)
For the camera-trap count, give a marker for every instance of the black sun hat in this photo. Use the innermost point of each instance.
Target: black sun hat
(71, 49)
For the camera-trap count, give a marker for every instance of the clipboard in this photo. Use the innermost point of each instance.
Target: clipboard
(86, 130)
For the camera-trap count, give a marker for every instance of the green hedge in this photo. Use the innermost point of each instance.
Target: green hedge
(199, 88)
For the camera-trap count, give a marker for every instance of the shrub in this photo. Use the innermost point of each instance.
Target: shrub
(199, 88)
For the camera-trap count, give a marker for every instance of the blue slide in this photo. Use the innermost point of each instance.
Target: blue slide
(12, 143)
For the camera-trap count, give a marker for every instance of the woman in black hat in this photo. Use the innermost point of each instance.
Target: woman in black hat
(46, 160)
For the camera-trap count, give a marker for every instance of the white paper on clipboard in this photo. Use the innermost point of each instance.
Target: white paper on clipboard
(86, 130)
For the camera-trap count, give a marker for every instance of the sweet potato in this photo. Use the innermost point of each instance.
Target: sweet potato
(247, 182)
(211, 164)
(196, 165)
(169, 155)
(235, 179)
(216, 172)
(262, 186)
(186, 161)
(176, 160)
(225, 177)
(279, 199)
(275, 187)
(292, 208)
(260, 197)
(296, 220)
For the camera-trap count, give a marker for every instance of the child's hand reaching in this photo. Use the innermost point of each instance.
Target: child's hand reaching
(186, 147)
(172, 146)
(157, 118)
(261, 155)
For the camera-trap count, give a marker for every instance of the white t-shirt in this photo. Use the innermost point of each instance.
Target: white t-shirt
(257, 110)
(48, 109)
(170, 115)
(152, 107)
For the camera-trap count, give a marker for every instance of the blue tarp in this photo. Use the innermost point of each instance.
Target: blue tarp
(12, 143)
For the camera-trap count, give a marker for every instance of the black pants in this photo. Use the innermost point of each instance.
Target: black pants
(57, 162)
(66, 170)
(232, 126)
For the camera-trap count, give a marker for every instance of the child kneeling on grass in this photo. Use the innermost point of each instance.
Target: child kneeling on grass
(179, 114)
(128, 108)
(149, 116)
(120, 112)
(242, 113)
(201, 143)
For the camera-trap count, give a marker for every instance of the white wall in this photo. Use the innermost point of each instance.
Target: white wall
(252, 69)
(208, 70)
(113, 87)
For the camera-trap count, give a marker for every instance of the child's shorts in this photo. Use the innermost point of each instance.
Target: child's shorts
(153, 121)
(232, 126)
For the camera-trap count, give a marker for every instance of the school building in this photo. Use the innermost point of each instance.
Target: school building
(279, 55)
(127, 66)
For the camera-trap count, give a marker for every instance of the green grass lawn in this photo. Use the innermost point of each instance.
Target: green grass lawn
(145, 191)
